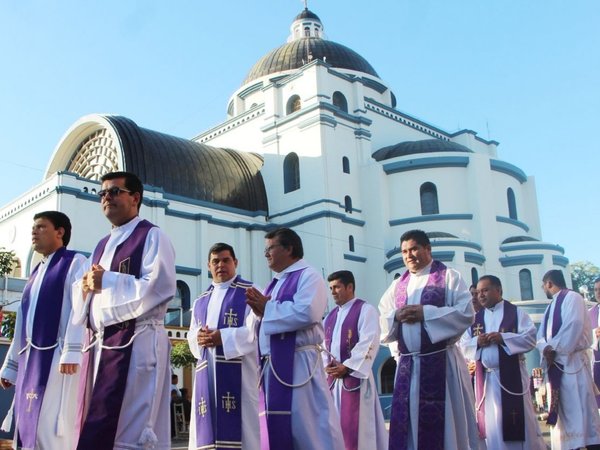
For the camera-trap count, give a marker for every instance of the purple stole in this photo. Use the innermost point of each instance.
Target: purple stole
(278, 396)
(596, 363)
(513, 410)
(219, 420)
(100, 424)
(350, 401)
(432, 391)
(35, 365)
(555, 370)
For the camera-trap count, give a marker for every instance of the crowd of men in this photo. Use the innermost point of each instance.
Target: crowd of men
(90, 355)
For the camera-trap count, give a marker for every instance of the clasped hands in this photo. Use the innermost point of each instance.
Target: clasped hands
(486, 339)
(209, 338)
(92, 280)
(410, 314)
(336, 369)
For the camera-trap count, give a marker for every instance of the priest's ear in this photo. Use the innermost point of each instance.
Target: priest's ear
(60, 233)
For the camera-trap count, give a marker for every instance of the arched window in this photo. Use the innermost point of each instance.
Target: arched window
(525, 284)
(179, 304)
(293, 104)
(388, 373)
(351, 243)
(340, 101)
(512, 205)
(345, 165)
(291, 173)
(348, 204)
(183, 291)
(474, 276)
(429, 199)
(306, 32)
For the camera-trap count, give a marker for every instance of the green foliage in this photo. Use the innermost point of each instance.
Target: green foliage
(583, 274)
(7, 327)
(7, 261)
(181, 356)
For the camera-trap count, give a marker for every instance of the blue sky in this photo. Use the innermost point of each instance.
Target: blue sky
(526, 74)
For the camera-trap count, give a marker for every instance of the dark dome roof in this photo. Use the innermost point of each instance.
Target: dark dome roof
(291, 55)
(190, 169)
(307, 14)
(512, 239)
(415, 147)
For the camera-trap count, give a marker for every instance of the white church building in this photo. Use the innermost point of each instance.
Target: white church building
(313, 141)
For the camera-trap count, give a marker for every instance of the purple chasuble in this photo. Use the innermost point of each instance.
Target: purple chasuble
(555, 370)
(513, 409)
(350, 392)
(34, 366)
(278, 396)
(219, 419)
(432, 378)
(594, 319)
(100, 424)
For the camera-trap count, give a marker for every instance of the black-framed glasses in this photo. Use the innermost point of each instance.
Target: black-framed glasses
(113, 191)
(271, 247)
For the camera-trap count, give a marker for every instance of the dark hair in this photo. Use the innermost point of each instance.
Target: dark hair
(59, 220)
(220, 247)
(287, 238)
(597, 280)
(494, 280)
(419, 236)
(345, 276)
(556, 277)
(472, 287)
(132, 183)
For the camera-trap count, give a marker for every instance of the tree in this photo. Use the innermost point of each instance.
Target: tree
(583, 274)
(7, 261)
(181, 356)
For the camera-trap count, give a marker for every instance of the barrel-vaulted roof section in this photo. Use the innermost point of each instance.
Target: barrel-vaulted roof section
(191, 169)
(179, 166)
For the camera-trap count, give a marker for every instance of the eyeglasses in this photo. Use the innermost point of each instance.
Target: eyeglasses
(113, 191)
(271, 247)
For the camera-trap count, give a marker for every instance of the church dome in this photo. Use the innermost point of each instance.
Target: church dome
(418, 147)
(305, 44)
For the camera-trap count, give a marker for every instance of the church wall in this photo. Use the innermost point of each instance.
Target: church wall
(385, 131)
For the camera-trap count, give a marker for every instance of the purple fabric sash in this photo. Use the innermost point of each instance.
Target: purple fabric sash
(279, 397)
(223, 429)
(35, 364)
(596, 365)
(350, 392)
(100, 424)
(555, 370)
(513, 409)
(432, 377)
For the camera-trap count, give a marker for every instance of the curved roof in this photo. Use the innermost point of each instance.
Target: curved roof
(187, 168)
(512, 239)
(307, 14)
(417, 147)
(293, 56)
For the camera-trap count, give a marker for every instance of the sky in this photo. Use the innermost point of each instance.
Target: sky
(526, 74)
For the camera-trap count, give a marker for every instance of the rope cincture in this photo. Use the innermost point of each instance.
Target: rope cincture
(267, 359)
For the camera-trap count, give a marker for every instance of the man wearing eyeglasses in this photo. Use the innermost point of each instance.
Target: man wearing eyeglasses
(44, 371)
(300, 413)
(124, 291)
(564, 339)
